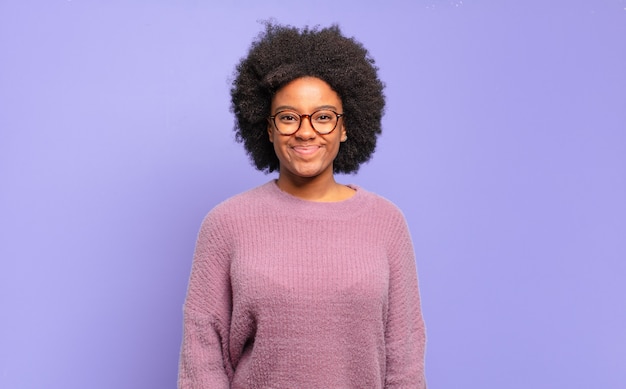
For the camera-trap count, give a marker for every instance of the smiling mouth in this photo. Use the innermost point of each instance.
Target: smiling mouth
(305, 150)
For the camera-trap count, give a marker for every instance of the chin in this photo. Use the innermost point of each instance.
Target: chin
(306, 172)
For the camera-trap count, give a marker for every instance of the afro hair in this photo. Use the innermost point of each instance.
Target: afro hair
(282, 54)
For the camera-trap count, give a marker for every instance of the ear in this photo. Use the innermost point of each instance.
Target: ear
(270, 133)
(344, 134)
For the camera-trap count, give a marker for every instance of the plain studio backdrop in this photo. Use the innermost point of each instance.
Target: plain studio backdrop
(504, 143)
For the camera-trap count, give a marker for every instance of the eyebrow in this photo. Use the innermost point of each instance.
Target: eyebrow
(289, 107)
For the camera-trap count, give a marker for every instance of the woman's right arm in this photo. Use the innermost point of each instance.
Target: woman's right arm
(204, 359)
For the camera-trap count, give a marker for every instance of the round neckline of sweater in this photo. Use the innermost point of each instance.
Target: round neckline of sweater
(317, 209)
(351, 186)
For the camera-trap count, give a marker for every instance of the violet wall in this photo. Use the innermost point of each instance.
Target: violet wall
(504, 143)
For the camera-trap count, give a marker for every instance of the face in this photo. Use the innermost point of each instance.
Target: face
(306, 153)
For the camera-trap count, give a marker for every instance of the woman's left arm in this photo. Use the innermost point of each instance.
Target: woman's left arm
(405, 334)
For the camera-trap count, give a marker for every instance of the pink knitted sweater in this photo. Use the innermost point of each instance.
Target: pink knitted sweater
(289, 293)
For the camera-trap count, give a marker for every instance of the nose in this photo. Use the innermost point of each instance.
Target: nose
(306, 130)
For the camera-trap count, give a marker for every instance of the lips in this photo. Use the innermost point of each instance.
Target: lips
(305, 150)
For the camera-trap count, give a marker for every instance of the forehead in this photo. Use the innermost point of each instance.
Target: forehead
(306, 93)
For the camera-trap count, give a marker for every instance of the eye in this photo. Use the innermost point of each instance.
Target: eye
(323, 116)
(288, 117)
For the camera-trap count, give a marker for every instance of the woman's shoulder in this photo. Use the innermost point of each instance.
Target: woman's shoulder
(378, 202)
(242, 202)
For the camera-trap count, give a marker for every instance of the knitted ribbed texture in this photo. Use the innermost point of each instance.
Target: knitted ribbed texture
(289, 293)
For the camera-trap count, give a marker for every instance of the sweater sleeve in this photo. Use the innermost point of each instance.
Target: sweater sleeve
(204, 360)
(405, 332)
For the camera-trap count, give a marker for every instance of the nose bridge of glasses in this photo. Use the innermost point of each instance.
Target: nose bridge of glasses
(302, 117)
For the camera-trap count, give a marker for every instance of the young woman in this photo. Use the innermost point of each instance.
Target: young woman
(304, 282)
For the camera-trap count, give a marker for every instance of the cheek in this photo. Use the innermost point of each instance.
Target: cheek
(279, 149)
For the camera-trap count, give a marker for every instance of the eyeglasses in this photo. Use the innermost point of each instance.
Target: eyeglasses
(323, 121)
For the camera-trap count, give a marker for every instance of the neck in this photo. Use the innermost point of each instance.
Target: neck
(318, 188)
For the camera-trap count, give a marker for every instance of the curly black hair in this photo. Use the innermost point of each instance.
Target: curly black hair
(281, 54)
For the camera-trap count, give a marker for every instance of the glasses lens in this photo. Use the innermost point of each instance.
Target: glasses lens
(324, 122)
(287, 122)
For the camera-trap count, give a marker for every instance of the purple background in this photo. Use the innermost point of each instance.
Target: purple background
(504, 143)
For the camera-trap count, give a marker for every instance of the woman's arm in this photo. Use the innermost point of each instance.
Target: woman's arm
(405, 335)
(204, 359)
